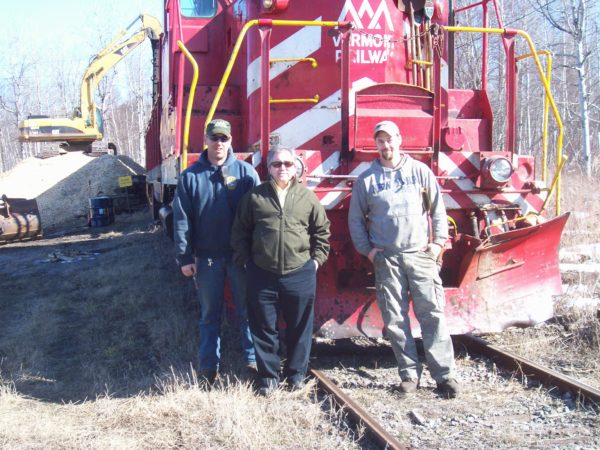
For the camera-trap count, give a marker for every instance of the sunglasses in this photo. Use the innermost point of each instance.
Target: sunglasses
(278, 164)
(219, 138)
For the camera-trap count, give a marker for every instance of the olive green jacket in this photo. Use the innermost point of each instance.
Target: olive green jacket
(277, 240)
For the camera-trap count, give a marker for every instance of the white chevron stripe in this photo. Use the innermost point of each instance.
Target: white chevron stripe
(323, 115)
(465, 184)
(299, 45)
(327, 166)
(450, 203)
(450, 166)
(307, 125)
(526, 207)
(331, 199)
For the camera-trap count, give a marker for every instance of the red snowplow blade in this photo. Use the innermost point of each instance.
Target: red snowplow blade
(509, 279)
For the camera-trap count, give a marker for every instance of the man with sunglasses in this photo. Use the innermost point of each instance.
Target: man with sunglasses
(204, 208)
(397, 219)
(281, 234)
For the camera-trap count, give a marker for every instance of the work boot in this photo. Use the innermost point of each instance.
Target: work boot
(448, 388)
(268, 386)
(408, 387)
(250, 371)
(207, 377)
(266, 391)
(296, 385)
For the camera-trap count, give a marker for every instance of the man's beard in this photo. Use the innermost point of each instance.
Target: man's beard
(388, 155)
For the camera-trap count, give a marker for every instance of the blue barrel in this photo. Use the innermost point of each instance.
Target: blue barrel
(102, 212)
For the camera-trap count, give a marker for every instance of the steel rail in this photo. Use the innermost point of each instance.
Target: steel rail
(357, 413)
(528, 368)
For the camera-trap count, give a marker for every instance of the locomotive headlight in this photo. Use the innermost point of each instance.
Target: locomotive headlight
(501, 170)
(267, 4)
(496, 171)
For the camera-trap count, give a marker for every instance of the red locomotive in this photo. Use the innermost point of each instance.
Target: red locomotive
(317, 76)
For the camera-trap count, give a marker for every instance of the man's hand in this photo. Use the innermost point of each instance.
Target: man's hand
(189, 270)
(434, 249)
(373, 252)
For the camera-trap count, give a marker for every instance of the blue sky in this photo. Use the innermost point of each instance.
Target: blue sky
(55, 40)
(71, 29)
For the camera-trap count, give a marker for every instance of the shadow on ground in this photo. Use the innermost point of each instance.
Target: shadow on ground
(96, 312)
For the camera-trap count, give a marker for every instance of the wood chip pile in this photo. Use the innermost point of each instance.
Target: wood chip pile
(63, 185)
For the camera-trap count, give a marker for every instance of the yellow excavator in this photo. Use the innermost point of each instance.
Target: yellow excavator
(85, 127)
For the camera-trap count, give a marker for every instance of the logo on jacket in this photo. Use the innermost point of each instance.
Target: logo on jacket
(231, 182)
(396, 184)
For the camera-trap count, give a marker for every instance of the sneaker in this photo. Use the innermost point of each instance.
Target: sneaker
(448, 388)
(251, 367)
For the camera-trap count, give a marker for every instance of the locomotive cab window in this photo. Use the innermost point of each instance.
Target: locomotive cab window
(198, 8)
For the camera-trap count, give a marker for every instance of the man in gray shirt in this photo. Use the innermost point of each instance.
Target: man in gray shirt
(393, 204)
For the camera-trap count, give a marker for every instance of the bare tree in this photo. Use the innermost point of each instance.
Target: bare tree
(14, 100)
(571, 17)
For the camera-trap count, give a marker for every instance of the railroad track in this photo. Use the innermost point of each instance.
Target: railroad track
(528, 368)
(522, 367)
(357, 413)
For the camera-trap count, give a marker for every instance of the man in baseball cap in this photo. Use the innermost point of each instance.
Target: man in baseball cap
(207, 195)
(388, 126)
(397, 219)
(218, 127)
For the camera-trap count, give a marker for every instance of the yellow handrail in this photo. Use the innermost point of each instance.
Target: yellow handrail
(418, 61)
(559, 124)
(546, 109)
(554, 186)
(452, 222)
(315, 99)
(188, 112)
(312, 61)
(238, 44)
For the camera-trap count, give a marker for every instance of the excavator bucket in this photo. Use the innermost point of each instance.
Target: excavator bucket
(19, 219)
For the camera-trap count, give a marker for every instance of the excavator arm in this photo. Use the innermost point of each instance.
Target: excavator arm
(85, 126)
(107, 58)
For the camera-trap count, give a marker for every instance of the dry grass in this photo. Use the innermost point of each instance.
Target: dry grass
(579, 195)
(581, 335)
(182, 415)
(100, 353)
(571, 344)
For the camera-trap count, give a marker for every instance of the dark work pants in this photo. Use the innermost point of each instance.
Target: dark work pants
(293, 295)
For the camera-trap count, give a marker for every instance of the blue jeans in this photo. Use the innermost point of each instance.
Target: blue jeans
(210, 276)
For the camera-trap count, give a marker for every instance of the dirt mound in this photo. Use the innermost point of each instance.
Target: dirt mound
(63, 185)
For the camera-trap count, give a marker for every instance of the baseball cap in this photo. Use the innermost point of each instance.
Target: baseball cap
(388, 126)
(218, 126)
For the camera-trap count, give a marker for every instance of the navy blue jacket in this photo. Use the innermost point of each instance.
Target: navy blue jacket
(204, 206)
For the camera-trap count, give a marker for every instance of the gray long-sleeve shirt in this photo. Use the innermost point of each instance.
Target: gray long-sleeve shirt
(389, 208)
